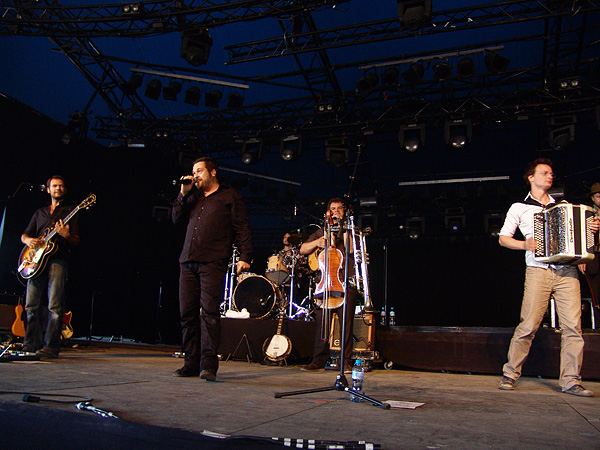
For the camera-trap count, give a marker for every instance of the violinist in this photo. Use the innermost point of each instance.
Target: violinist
(330, 298)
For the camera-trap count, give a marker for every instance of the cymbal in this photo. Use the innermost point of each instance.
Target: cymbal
(298, 238)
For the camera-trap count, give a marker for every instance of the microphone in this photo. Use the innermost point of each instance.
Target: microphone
(87, 406)
(184, 181)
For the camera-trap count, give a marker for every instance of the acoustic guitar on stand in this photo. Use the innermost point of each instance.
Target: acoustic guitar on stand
(33, 260)
(18, 326)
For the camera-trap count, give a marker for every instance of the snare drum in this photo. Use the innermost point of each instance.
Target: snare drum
(276, 270)
(257, 294)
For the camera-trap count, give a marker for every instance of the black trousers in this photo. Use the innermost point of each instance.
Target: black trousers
(200, 294)
(321, 351)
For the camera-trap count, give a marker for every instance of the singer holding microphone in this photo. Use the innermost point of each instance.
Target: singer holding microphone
(216, 219)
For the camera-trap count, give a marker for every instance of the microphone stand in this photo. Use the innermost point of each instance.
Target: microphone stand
(341, 383)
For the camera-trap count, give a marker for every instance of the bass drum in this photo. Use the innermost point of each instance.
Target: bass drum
(257, 294)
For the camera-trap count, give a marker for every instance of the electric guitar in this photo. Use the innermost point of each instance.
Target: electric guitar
(33, 260)
(278, 347)
(67, 328)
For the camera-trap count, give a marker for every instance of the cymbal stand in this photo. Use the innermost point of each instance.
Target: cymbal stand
(304, 308)
(230, 281)
(300, 310)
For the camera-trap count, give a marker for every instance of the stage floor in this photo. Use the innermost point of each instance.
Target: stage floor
(135, 382)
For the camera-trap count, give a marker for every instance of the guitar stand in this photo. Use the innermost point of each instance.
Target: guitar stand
(341, 383)
(248, 355)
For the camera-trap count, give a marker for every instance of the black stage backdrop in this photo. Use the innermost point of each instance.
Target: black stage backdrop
(126, 265)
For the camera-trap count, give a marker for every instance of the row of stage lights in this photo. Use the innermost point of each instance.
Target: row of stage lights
(170, 92)
(442, 71)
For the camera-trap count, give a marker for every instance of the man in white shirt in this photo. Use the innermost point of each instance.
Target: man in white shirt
(541, 281)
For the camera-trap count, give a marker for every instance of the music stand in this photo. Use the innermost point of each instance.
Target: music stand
(341, 383)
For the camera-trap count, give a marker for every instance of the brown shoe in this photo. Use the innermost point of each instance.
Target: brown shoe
(312, 368)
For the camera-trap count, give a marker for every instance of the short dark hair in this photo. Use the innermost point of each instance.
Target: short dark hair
(55, 177)
(336, 200)
(209, 163)
(533, 165)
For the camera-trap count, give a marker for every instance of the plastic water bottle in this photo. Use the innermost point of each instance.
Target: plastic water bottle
(358, 376)
(392, 317)
(382, 317)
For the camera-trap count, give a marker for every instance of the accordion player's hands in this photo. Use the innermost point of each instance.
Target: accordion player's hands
(530, 244)
(595, 225)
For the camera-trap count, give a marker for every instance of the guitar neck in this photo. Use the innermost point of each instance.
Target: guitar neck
(280, 320)
(65, 220)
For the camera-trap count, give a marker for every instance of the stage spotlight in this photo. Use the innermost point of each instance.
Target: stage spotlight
(562, 132)
(496, 63)
(415, 227)
(569, 84)
(170, 92)
(235, 101)
(465, 68)
(562, 138)
(153, 89)
(411, 136)
(414, 73)
(132, 9)
(414, 15)
(389, 79)
(492, 223)
(455, 219)
(442, 71)
(252, 151)
(336, 152)
(212, 98)
(290, 148)
(130, 87)
(458, 133)
(195, 46)
(367, 84)
(192, 96)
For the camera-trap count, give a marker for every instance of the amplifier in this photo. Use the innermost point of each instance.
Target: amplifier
(363, 333)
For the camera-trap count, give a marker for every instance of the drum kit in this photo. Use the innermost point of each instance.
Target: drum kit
(264, 296)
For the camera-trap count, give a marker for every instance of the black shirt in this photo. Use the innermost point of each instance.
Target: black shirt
(215, 223)
(42, 220)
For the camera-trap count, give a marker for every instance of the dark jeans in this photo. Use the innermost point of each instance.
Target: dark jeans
(45, 307)
(321, 351)
(200, 293)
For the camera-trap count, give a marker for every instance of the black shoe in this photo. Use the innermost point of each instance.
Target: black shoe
(187, 371)
(208, 375)
(47, 352)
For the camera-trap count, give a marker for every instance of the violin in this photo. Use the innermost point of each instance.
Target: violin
(331, 265)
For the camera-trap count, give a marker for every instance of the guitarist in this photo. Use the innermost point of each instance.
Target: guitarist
(323, 317)
(45, 297)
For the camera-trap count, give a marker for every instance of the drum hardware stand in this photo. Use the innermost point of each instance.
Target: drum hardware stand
(303, 309)
(229, 282)
(300, 310)
(341, 383)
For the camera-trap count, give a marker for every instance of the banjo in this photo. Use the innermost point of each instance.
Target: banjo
(279, 346)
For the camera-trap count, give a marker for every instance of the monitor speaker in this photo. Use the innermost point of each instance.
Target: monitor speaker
(363, 333)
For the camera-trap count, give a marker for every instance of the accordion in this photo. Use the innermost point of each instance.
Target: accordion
(562, 234)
